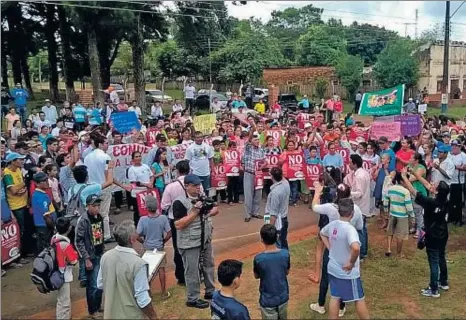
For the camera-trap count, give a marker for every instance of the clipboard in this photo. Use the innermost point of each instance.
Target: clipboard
(154, 260)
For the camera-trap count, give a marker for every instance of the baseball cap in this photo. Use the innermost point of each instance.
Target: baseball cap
(12, 156)
(445, 134)
(93, 199)
(40, 177)
(192, 179)
(455, 142)
(151, 203)
(307, 125)
(82, 133)
(47, 100)
(443, 149)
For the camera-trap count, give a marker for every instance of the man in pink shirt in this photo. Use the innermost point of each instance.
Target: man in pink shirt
(172, 191)
(361, 195)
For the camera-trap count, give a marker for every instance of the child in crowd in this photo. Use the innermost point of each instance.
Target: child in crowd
(224, 305)
(272, 267)
(153, 232)
(51, 171)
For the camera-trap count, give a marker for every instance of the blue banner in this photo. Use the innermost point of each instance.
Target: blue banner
(125, 121)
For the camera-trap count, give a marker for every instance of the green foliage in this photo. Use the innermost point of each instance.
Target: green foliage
(349, 70)
(321, 45)
(39, 61)
(123, 64)
(321, 87)
(396, 65)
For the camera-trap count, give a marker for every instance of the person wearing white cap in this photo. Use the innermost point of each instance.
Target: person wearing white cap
(20, 96)
(50, 111)
(410, 106)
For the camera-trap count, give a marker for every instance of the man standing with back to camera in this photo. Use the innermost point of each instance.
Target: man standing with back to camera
(195, 242)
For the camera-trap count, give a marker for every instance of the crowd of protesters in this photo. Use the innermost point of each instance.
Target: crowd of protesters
(415, 186)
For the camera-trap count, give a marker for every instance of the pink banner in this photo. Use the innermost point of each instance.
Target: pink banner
(218, 177)
(231, 161)
(151, 134)
(296, 166)
(391, 130)
(11, 242)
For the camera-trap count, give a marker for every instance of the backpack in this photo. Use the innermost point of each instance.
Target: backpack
(75, 206)
(45, 273)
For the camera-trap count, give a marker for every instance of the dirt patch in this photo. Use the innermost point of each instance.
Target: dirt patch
(411, 308)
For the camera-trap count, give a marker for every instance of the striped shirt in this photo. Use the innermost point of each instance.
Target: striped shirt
(401, 205)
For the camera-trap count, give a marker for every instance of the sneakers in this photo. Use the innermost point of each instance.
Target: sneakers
(444, 288)
(429, 293)
(208, 296)
(315, 307)
(341, 312)
(198, 304)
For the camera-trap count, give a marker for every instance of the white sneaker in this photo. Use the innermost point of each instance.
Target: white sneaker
(445, 288)
(315, 307)
(341, 313)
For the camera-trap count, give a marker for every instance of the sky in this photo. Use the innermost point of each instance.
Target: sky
(389, 14)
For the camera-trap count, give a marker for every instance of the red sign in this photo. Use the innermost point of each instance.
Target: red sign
(276, 135)
(357, 132)
(296, 166)
(218, 177)
(367, 165)
(11, 242)
(151, 134)
(345, 153)
(302, 119)
(259, 176)
(270, 162)
(302, 137)
(141, 201)
(231, 161)
(313, 173)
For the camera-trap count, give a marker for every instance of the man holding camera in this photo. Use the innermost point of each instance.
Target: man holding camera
(192, 213)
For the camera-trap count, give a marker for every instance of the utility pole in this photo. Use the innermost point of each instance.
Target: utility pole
(210, 62)
(415, 25)
(446, 56)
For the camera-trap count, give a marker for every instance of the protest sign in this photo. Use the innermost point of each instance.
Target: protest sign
(270, 162)
(141, 201)
(205, 123)
(259, 175)
(296, 165)
(357, 132)
(276, 136)
(218, 177)
(302, 119)
(151, 134)
(422, 108)
(367, 165)
(391, 130)
(231, 161)
(11, 242)
(410, 124)
(382, 102)
(345, 154)
(313, 173)
(179, 151)
(121, 154)
(125, 121)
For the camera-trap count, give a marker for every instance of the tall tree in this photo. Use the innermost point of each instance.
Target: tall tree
(14, 16)
(65, 36)
(51, 27)
(349, 70)
(4, 61)
(397, 65)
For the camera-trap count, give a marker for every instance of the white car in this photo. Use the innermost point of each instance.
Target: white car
(205, 91)
(157, 95)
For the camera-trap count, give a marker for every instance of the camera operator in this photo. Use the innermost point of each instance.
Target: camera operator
(192, 213)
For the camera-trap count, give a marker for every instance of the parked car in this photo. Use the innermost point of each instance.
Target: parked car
(260, 93)
(205, 91)
(286, 100)
(202, 101)
(119, 89)
(157, 95)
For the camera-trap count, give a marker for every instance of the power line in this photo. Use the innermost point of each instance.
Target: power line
(457, 9)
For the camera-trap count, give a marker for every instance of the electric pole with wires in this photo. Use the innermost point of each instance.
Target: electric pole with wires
(446, 56)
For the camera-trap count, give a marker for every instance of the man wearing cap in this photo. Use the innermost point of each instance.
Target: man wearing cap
(20, 97)
(43, 212)
(457, 181)
(17, 197)
(445, 141)
(50, 111)
(195, 242)
(443, 168)
(89, 242)
(29, 164)
(410, 106)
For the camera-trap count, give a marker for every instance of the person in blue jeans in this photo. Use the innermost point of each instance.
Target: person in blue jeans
(20, 96)
(90, 245)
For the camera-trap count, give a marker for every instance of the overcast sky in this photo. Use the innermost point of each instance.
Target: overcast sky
(389, 14)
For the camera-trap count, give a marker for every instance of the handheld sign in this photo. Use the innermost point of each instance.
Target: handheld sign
(11, 242)
(141, 201)
(296, 166)
(313, 173)
(218, 177)
(125, 122)
(231, 161)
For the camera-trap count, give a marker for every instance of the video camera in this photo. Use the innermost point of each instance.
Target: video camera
(207, 204)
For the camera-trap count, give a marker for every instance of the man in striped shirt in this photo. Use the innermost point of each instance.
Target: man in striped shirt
(398, 199)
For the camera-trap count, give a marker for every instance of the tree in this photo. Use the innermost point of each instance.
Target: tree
(321, 45)
(65, 36)
(321, 87)
(349, 71)
(288, 25)
(396, 65)
(51, 27)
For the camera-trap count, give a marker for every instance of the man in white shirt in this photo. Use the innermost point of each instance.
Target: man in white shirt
(39, 123)
(342, 241)
(114, 98)
(189, 92)
(97, 166)
(443, 167)
(200, 156)
(134, 108)
(50, 111)
(156, 111)
(457, 181)
(215, 106)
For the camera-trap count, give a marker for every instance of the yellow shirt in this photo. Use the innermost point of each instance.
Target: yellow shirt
(13, 178)
(260, 108)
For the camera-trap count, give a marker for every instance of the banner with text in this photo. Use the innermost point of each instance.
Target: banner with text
(179, 152)
(382, 102)
(11, 242)
(391, 130)
(205, 123)
(125, 122)
(270, 162)
(231, 161)
(218, 177)
(296, 166)
(259, 176)
(313, 173)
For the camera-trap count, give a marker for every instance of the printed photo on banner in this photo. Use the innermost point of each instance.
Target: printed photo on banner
(383, 102)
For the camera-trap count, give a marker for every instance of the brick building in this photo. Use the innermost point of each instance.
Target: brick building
(301, 80)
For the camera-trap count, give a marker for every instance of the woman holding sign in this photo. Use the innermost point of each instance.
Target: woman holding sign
(141, 178)
(294, 181)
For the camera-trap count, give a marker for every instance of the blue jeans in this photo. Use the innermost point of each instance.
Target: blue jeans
(22, 112)
(93, 294)
(437, 265)
(294, 188)
(324, 282)
(82, 270)
(205, 180)
(364, 239)
(282, 241)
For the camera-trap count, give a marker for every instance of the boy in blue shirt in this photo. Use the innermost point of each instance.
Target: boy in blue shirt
(224, 306)
(43, 212)
(272, 267)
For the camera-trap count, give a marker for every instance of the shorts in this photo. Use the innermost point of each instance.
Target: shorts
(398, 227)
(346, 290)
(279, 312)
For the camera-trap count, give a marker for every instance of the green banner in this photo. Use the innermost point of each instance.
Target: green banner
(384, 102)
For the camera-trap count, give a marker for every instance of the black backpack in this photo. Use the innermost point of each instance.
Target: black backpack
(75, 207)
(45, 273)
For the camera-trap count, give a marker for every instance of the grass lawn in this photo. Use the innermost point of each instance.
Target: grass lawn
(391, 285)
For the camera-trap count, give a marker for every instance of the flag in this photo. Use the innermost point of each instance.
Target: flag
(383, 102)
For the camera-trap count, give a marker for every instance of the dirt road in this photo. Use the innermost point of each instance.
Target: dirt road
(233, 238)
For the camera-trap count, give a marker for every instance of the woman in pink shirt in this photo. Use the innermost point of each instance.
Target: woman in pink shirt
(11, 118)
(403, 155)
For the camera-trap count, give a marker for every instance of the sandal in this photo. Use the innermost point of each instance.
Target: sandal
(166, 295)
